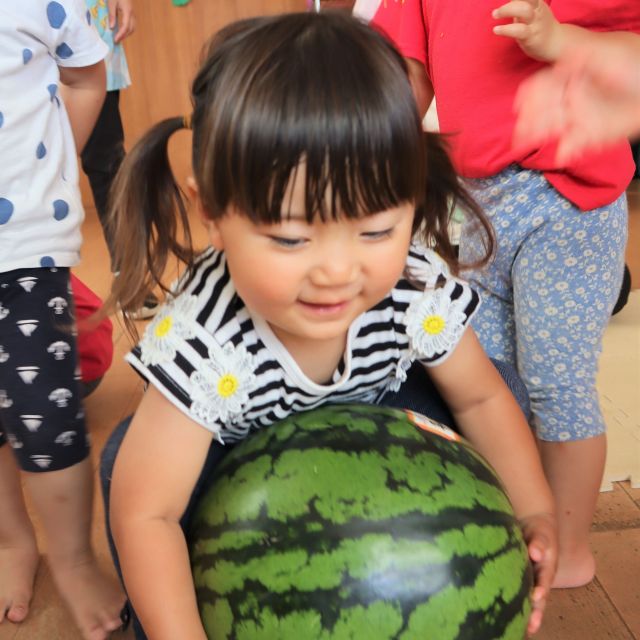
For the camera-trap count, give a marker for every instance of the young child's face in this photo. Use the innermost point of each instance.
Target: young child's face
(311, 281)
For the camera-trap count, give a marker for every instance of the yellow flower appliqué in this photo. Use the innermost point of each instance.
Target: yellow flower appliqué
(227, 385)
(221, 384)
(163, 327)
(174, 323)
(434, 325)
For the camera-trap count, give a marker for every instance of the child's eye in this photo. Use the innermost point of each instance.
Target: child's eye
(378, 235)
(289, 243)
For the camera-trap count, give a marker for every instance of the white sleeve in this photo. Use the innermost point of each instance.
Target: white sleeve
(71, 38)
(366, 9)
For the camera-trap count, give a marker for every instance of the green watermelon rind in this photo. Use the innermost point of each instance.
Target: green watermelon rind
(287, 553)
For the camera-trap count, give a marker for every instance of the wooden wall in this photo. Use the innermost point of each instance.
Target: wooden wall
(163, 53)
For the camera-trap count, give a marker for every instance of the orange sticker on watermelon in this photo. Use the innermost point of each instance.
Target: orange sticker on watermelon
(426, 424)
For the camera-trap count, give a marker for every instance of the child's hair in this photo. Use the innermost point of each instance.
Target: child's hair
(274, 92)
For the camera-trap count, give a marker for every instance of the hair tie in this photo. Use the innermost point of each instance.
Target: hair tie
(186, 121)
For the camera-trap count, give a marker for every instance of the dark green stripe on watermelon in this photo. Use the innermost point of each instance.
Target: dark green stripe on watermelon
(350, 522)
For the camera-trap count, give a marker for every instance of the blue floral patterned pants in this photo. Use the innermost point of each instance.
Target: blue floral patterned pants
(548, 294)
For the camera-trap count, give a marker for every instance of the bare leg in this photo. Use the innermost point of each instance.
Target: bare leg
(574, 471)
(63, 500)
(18, 549)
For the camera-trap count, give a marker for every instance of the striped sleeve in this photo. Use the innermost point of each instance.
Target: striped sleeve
(437, 316)
(206, 378)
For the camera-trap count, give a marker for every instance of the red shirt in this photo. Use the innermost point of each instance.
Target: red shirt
(475, 75)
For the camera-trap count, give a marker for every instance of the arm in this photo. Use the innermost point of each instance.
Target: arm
(490, 418)
(421, 84)
(589, 98)
(83, 93)
(540, 35)
(121, 14)
(402, 21)
(151, 487)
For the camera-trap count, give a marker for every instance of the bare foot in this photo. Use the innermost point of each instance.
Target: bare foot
(18, 565)
(95, 599)
(574, 570)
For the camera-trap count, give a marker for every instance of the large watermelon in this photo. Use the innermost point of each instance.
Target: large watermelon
(358, 522)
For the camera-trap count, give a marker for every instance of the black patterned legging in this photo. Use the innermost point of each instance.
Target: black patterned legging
(41, 414)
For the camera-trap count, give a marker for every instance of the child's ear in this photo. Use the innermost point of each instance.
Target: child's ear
(210, 225)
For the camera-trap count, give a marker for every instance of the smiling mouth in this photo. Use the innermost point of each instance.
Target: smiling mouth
(325, 308)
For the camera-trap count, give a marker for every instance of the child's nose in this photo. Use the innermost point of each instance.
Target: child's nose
(336, 269)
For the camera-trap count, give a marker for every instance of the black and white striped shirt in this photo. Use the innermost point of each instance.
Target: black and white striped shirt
(226, 369)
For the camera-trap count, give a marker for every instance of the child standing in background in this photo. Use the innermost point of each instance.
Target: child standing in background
(104, 151)
(47, 50)
(561, 227)
(319, 191)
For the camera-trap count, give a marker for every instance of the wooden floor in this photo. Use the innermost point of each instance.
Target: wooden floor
(609, 608)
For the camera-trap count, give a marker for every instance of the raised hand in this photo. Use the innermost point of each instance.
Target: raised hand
(533, 26)
(586, 101)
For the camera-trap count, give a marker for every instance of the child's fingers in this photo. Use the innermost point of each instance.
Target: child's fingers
(544, 572)
(540, 533)
(538, 605)
(127, 27)
(121, 16)
(573, 142)
(515, 30)
(535, 620)
(540, 552)
(586, 120)
(521, 10)
(539, 108)
(112, 9)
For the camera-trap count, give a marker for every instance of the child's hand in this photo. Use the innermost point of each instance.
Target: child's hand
(121, 15)
(533, 26)
(586, 101)
(542, 543)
